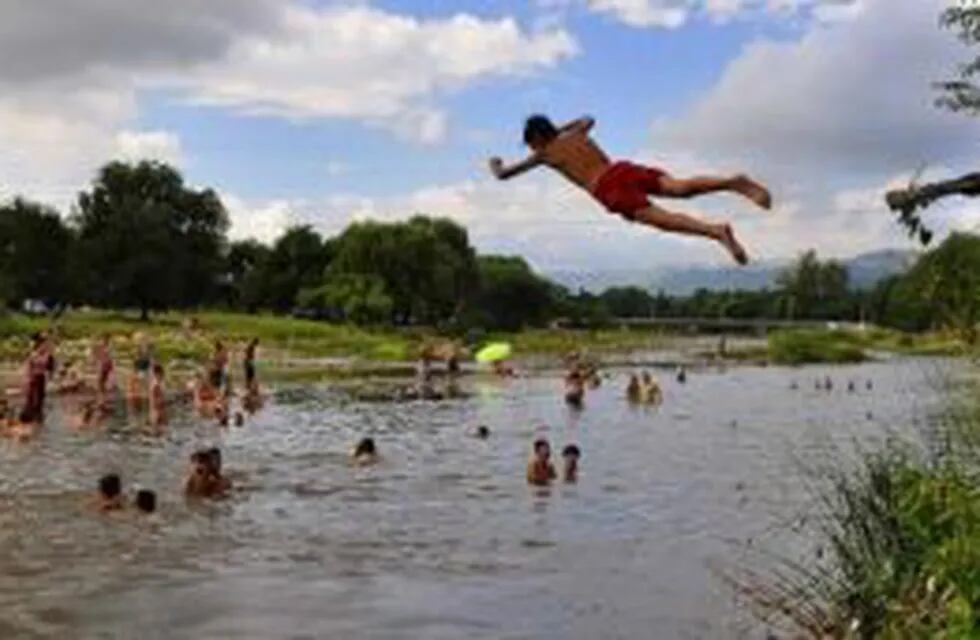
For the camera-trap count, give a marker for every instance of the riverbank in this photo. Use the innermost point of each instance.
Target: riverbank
(303, 349)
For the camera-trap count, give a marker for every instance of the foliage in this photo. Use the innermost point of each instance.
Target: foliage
(35, 254)
(962, 93)
(357, 298)
(901, 534)
(148, 241)
(812, 346)
(427, 265)
(511, 296)
(947, 280)
(296, 261)
(814, 289)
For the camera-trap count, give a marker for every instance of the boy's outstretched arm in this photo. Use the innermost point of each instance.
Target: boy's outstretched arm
(503, 172)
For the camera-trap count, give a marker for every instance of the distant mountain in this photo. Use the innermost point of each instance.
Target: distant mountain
(865, 271)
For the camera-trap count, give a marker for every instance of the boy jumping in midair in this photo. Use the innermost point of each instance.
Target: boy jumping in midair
(623, 187)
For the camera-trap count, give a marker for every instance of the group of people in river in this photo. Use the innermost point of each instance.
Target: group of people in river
(90, 398)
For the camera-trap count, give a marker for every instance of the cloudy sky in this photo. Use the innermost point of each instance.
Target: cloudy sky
(320, 111)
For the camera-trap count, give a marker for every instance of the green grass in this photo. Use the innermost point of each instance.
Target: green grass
(814, 346)
(900, 534)
(843, 346)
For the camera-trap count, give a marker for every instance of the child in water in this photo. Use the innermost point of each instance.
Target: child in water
(158, 397)
(651, 389)
(574, 389)
(109, 496)
(540, 471)
(624, 188)
(204, 479)
(634, 392)
(146, 501)
(570, 455)
(365, 453)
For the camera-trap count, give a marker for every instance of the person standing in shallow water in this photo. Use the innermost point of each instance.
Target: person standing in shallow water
(540, 471)
(35, 374)
(248, 363)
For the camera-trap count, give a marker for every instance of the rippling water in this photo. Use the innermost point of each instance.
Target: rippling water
(443, 539)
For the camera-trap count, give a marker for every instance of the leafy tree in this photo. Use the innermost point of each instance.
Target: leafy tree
(511, 295)
(361, 299)
(628, 302)
(297, 261)
(245, 268)
(948, 280)
(148, 241)
(962, 92)
(814, 289)
(427, 265)
(36, 249)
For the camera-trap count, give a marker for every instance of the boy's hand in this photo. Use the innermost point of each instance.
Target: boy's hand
(497, 166)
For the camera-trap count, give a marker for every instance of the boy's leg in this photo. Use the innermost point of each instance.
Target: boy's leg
(684, 224)
(740, 184)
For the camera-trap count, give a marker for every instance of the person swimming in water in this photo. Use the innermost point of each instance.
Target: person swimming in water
(540, 471)
(570, 456)
(624, 188)
(365, 453)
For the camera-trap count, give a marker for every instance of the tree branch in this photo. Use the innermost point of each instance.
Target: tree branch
(916, 197)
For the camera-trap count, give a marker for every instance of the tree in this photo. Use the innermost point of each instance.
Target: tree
(948, 280)
(628, 302)
(511, 295)
(361, 299)
(36, 249)
(959, 94)
(427, 265)
(297, 261)
(245, 268)
(148, 241)
(814, 289)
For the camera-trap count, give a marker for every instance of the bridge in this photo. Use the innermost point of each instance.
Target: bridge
(726, 325)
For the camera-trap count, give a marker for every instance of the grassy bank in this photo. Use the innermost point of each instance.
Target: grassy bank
(282, 338)
(898, 545)
(843, 346)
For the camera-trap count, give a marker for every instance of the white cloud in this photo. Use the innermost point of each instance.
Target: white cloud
(134, 146)
(672, 14)
(263, 221)
(371, 65)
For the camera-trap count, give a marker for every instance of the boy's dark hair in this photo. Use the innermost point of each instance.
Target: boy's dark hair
(158, 370)
(541, 442)
(214, 458)
(146, 501)
(539, 128)
(571, 450)
(483, 431)
(110, 485)
(365, 447)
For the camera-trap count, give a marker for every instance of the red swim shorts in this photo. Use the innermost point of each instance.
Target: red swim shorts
(623, 187)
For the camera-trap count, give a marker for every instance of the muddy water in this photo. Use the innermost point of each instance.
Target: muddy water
(443, 539)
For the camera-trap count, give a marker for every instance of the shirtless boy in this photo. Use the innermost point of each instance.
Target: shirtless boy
(624, 187)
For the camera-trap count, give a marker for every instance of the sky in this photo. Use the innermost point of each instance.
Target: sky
(323, 112)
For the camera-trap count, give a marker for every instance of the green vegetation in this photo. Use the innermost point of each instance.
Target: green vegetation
(806, 347)
(898, 543)
(850, 345)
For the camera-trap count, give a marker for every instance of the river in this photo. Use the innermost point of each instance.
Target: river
(443, 539)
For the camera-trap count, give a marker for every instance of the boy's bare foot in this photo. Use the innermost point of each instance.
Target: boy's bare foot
(728, 239)
(753, 191)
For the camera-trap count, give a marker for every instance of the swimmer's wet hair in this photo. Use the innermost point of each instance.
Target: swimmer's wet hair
(541, 442)
(146, 501)
(158, 370)
(483, 431)
(571, 450)
(214, 458)
(539, 128)
(365, 447)
(110, 485)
